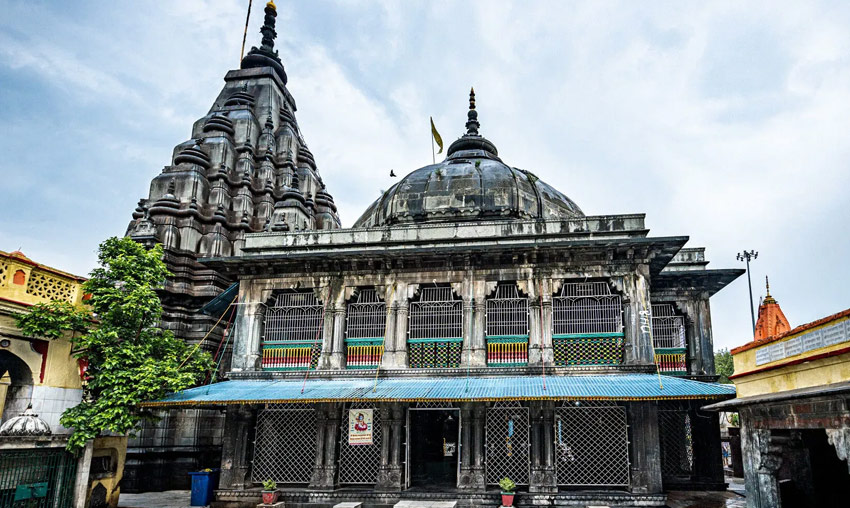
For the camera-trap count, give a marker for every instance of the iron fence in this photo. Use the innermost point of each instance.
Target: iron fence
(508, 444)
(435, 332)
(37, 478)
(506, 321)
(365, 326)
(358, 464)
(592, 445)
(676, 439)
(285, 445)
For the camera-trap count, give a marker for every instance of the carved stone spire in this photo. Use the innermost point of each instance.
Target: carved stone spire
(472, 124)
(472, 143)
(266, 55)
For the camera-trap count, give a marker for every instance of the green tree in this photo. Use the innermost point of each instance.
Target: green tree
(723, 365)
(130, 359)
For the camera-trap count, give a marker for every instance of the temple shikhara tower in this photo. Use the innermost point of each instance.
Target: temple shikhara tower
(473, 324)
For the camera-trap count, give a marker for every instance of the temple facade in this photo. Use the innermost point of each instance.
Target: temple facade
(473, 324)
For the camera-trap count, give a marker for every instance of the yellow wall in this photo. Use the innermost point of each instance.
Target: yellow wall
(779, 376)
(116, 447)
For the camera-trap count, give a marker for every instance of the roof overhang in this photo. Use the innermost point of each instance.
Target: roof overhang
(619, 387)
(709, 281)
(834, 389)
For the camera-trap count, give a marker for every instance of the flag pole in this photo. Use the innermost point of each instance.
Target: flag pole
(245, 33)
(433, 157)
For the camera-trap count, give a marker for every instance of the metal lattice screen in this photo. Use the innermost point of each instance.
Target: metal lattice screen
(365, 326)
(668, 329)
(285, 446)
(359, 463)
(37, 478)
(293, 317)
(435, 334)
(586, 308)
(507, 444)
(592, 445)
(677, 446)
(506, 321)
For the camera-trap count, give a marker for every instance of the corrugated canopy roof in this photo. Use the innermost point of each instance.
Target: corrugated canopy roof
(413, 389)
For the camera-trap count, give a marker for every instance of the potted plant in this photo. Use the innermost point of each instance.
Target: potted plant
(508, 487)
(269, 492)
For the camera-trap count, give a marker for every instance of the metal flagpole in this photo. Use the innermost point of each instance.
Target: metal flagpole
(433, 157)
(245, 33)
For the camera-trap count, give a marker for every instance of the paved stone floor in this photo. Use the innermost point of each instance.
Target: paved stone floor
(732, 498)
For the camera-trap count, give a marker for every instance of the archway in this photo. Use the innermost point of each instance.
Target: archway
(15, 385)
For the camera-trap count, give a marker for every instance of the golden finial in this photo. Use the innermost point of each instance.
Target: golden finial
(272, 5)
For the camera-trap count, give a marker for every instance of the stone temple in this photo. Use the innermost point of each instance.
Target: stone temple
(473, 324)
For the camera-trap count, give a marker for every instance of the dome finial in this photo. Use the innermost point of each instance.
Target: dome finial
(268, 30)
(472, 124)
(265, 55)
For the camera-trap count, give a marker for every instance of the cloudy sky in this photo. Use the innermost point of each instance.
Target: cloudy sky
(724, 121)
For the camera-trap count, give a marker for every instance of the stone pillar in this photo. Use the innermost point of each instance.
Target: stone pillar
(388, 358)
(546, 325)
(466, 480)
(401, 334)
(638, 318)
(247, 334)
(646, 448)
(541, 419)
(762, 459)
(534, 332)
(324, 469)
(468, 329)
(390, 473)
(338, 351)
(81, 481)
(708, 450)
(840, 439)
(325, 361)
(236, 448)
(704, 338)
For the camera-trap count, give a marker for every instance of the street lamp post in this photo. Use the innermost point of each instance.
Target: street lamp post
(747, 256)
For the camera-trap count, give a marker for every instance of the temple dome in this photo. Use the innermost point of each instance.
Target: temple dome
(472, 183)
(25, 424)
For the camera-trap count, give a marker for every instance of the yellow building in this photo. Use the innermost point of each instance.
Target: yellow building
(793, 398)
(32, 370)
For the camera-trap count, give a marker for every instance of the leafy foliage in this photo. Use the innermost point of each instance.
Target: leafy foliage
(130, 359)
(723, 365)
(269, 485)
(507, 485)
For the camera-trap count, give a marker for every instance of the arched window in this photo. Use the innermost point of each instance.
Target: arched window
(292, 331)
(365, 327)
(507, 327)
(435, 332)
(587, 325)
(668, 339)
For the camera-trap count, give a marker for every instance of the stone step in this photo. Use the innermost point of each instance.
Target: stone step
(349, 504)
(423, 503)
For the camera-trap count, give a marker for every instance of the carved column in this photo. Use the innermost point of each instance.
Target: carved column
(762, 459)
(338, 350)
(546, 326)
(247, 339)
(389, 472)
(236, 451)
(390, 341)
(324, 468)
(638, 318)
(535, 333)
(401, 334)
(390, 477)
(466, 480)
(840, 439)
(325, 361)
(479, 327)
(543, 478)
(646, 448)
(468, 331)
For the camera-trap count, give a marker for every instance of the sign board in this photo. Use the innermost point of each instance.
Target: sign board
(360, 429)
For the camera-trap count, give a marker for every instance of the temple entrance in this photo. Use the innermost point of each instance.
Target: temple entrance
(433, 438)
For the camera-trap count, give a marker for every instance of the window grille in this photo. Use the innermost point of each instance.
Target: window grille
(507, 444)
(435, 332)
(359, 464)
(49, 288)
(677, 447)
(4, 267)
(668, 336)
(293, 327)
(592, 445)
(434, 404)
(587, 325)
(365, 326)
(285, 446)
(507, 327)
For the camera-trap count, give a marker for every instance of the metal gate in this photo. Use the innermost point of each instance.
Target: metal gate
(37, 478)
(507, 444)
(359, 463)
(285, 448)
(677, 445)
(592, 444)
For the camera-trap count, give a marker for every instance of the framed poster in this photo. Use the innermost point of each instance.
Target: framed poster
(360, 427)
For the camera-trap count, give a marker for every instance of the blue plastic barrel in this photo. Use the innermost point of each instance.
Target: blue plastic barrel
(203, 485)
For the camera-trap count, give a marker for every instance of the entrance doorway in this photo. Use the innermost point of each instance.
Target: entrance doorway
(433, 438)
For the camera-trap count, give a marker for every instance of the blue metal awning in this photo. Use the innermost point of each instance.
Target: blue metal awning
(415, 389)
(221, 303)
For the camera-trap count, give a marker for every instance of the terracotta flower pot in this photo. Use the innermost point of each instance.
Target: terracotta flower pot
(269, 496)
(507, 498)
